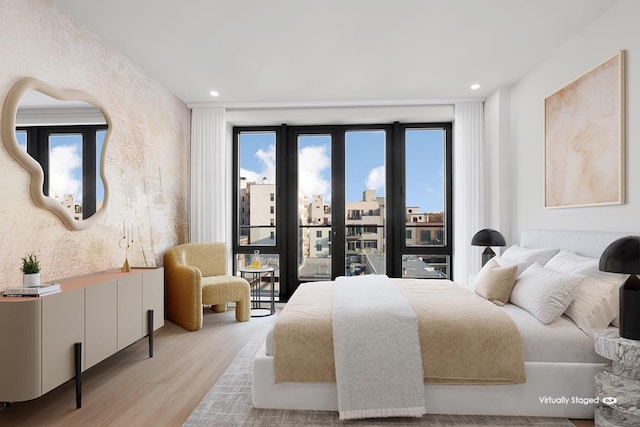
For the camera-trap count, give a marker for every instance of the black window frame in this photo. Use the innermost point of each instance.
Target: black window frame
(286, 246)
(400, 245)
(38, 149)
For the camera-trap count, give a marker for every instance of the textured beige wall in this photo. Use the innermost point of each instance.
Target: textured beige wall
(147, 163)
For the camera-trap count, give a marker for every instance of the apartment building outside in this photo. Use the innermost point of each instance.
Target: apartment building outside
(364, 236)
(257, 212)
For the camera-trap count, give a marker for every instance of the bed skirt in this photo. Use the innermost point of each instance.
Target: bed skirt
(542, 395)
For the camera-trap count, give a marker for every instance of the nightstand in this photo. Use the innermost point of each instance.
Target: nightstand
(255, 280)
(618, 386)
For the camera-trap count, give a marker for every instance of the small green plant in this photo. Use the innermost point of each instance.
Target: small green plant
(30, 264)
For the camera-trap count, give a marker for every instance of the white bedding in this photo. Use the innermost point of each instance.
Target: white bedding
(560, 341)
(559, 360)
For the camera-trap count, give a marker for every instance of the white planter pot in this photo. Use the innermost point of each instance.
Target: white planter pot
(30, 280)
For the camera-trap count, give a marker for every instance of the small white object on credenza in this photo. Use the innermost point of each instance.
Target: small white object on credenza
(35, 291)
(31, 279)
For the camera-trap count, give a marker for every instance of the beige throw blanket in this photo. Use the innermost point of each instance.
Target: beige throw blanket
(371, 321)
(464, 338)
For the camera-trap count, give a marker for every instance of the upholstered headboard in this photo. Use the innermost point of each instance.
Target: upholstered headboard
(585, 243)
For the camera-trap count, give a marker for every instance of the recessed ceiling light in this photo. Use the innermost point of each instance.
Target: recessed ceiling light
(475, 86)
(214, 93)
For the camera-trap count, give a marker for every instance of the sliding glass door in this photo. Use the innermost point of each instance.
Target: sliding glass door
(314, 229)
(325, 201)
(340, 209)
(364, 202)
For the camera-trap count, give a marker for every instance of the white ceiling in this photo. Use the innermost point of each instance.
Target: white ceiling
(259, 51)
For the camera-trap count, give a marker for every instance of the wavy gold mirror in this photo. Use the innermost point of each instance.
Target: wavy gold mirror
(60, 136)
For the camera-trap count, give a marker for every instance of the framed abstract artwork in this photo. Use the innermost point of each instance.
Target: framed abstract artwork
(584, 139)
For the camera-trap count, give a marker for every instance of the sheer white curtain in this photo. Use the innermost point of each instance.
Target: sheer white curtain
(208, 175)
(468, 187)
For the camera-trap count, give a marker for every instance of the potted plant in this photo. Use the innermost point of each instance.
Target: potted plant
(31, 271)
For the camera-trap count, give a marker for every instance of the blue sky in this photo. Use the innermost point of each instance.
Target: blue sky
(364, 163)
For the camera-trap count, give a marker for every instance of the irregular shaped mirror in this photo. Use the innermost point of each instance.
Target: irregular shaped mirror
(60, 136)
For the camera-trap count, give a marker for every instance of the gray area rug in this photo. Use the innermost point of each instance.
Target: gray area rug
(228, 403)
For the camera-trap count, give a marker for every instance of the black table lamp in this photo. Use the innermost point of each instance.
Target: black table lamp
(488, 237)
(623, 256)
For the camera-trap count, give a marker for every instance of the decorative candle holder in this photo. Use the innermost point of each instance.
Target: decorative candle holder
(126, 243)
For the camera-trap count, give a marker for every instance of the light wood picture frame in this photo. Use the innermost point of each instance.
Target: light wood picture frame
(584, 139)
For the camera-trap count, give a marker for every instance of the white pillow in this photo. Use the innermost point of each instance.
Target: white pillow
(520, 266)
(529, 256)
(570, 263)
(494, 282)
(545, 293)
(597, 301)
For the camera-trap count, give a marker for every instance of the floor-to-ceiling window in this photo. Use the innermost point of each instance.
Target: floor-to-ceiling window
(258, 223)
(425, 172)
(325, 201)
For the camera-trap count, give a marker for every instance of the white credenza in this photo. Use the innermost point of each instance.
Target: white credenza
(47, 341)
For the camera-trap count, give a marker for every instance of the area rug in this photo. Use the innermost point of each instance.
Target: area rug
(228, 404)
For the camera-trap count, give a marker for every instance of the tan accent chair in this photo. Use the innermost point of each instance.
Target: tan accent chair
(196, 275)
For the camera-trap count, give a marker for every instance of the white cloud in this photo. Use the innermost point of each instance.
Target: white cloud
(375, 180)
(251, 176)
(64, 162)
(312, 160)
(268, 160)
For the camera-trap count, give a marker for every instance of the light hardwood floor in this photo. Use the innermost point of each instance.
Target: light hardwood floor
(129, 389)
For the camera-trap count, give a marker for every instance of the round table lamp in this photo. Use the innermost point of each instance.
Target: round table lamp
(623, 256)
(488, 237)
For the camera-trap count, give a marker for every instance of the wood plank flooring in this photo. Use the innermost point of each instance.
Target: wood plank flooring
(130, 389)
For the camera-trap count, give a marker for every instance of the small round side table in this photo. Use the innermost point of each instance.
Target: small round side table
(254, 277)
(618, 386)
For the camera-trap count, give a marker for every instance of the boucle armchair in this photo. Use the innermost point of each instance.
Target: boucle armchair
(196, 275)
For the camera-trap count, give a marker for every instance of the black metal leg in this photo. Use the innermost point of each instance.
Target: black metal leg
(273, 292)
(78, 364)
(255, 286)
(255, 282)
(150, 330)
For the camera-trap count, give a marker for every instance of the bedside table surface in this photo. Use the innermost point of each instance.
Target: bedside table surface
(256, 270)
(611, 345)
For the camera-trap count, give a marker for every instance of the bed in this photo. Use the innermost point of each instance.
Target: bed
(559, 360)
